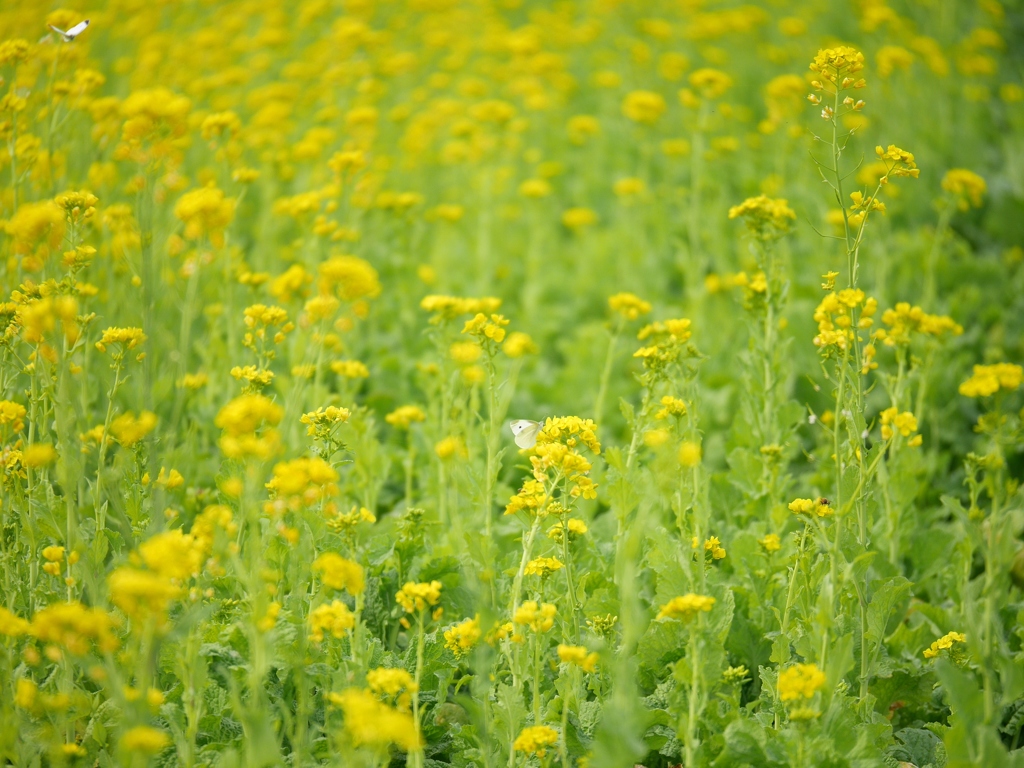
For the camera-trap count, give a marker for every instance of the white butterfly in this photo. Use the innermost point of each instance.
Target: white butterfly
(72, 33)
(526, 432)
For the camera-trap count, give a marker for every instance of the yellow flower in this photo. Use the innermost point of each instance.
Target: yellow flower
(145, 740)
(539, 618)
(373, 723)
(989, 379)
(944, 643)
(686, 607)
(334, 618)
(13, 415)
(770, 543)
(75, 627)
(578, 218)
(689, 454)
(535, 740)
(765, 217)
(800, 681)
(38, 455)
(535, 188)
(898, 162)
(128, 430)
(350, 277)
(142, 595)
(820, 507)
(450, 307)
(643, 106)
(129, 338)
(577, 655)
(11, 624)
(415, 597)
(206, 213)
(350, 369)
(462, 637)
(710, 83)
(339, 573)
(893, 421)
(173, 555)
(404, 416)
(628, 305)
(450, 447)
(542, 566)
(390, 681)
(519, 344)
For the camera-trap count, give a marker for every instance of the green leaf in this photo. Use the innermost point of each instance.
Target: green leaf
(888, 603)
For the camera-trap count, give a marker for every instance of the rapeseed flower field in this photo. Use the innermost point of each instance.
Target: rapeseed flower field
(506, 383)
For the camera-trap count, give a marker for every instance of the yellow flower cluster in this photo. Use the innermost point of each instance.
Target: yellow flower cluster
(666, 343)
(486, 329)
(710, 83)
(405, 416)
(531, 498)
(820, 507)
(904, 320)
(643, 107)
(75, 627)
(334, 618)
(831, 64)
(712, 546)
(966, 187)
(578, 656)
(128, 338)
(535, 740)
(370, 722)
(461, 638)
(129, 430)
(629, 305)
(834, 316)
(259, 318)
(765, 217)
(686, 607)
(350, 278)
(800, 681)
(339, 573)
(537, 617)
(944, 643)
(898, 162)
(12, 415)
(12, 625)
(905, 423)
(206, 213)
(575, 526)
(519, 344)
(143, 595)
(415, 597)
(303, 481)
(989, 379)
(449, 307)
(392, 682)
(671, 407)
(322, 422)
(350, 369)
(543, 566)
(241, 419)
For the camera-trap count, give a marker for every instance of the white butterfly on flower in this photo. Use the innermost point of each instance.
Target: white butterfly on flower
(72, 33)
(526, 432)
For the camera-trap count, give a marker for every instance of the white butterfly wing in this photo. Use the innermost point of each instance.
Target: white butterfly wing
(76, 30)
(60, 32)
(525, 432)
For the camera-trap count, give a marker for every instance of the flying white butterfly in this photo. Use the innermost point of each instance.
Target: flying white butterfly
(72, 33)
(526, 432)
